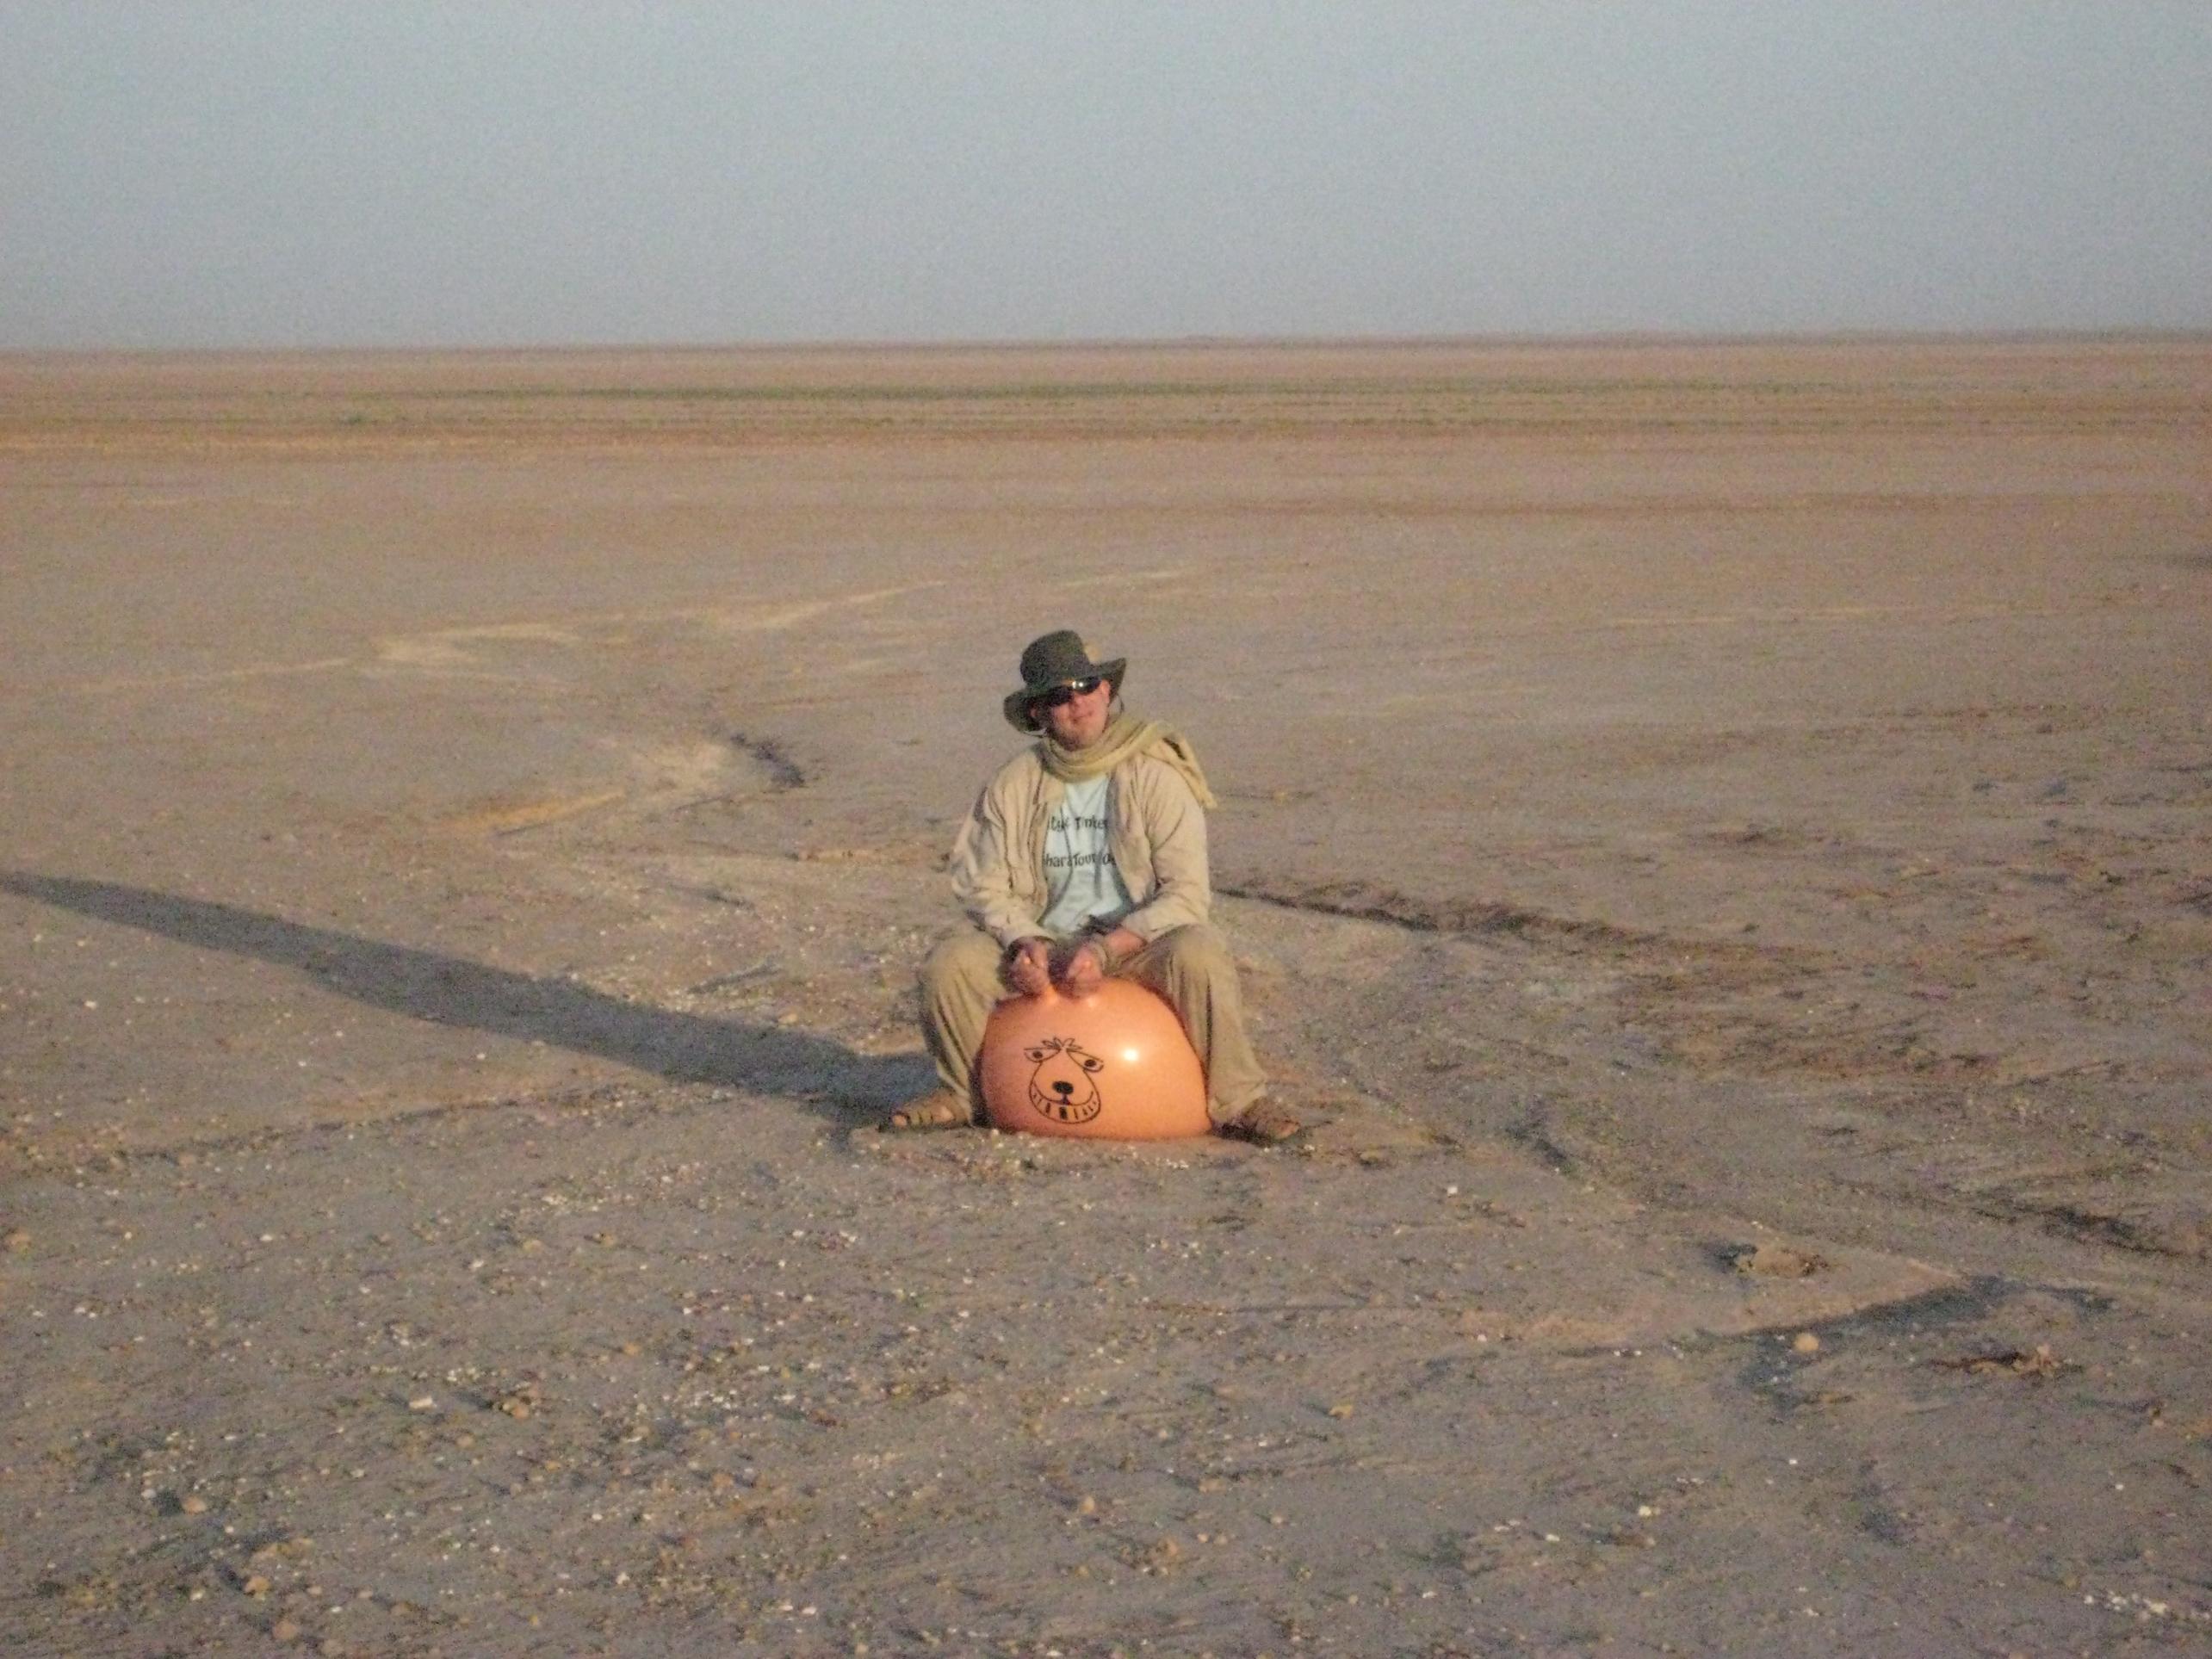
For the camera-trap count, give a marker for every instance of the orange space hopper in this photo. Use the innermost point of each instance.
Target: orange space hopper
(1111, 1065)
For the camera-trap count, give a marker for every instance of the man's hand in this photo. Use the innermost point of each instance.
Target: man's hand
(1085, 969)
(1029, 965)
(1083, 965)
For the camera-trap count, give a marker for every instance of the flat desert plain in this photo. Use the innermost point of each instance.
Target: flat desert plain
(1722, 832)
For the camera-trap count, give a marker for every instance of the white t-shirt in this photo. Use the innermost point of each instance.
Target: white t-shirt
(1079, 880)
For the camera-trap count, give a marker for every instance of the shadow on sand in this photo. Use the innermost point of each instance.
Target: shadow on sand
(450, 991)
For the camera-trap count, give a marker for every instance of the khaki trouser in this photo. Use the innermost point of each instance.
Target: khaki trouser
(1188, 966)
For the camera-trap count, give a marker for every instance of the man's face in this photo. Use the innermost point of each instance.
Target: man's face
(1078, 721)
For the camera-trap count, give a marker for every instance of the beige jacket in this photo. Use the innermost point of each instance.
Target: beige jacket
(1155, 833)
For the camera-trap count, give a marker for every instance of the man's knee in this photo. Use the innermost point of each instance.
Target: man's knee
(1196, 948)
(968, 957)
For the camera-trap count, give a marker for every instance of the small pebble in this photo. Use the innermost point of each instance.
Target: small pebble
(193, 1505)
(17, 1240)
(1805, 1342)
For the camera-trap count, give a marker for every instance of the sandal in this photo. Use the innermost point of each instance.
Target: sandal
(1263, 1123)
(941, 1109)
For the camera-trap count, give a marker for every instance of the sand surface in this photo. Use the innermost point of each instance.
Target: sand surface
(1725, 830)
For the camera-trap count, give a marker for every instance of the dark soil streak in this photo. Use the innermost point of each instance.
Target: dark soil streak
(784, 772)
(1371, 902)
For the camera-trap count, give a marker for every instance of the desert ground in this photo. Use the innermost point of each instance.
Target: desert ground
(1720, 834)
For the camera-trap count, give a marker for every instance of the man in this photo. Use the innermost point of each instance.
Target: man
(1085, 856)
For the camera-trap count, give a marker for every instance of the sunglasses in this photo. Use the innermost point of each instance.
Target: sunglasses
(1061, 695)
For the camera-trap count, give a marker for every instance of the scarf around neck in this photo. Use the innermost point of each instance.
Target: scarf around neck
(1126, 736)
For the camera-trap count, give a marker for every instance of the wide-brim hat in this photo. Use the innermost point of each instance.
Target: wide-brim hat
(1051, 660)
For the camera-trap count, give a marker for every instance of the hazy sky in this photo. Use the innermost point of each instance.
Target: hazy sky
(296, 173)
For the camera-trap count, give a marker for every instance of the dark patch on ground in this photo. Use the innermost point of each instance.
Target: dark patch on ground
(1531, 1133)
(773, 759)
(2099, 1227)
(1481, 917)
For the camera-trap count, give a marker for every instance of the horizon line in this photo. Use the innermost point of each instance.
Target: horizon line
(1614, 338)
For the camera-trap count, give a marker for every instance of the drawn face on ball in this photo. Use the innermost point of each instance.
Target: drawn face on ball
(1064, 1086)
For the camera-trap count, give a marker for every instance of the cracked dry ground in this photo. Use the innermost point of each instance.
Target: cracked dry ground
(1733, 868)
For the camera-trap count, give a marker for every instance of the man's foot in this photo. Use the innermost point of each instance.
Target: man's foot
(942, 1109)
(1264, 1123)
